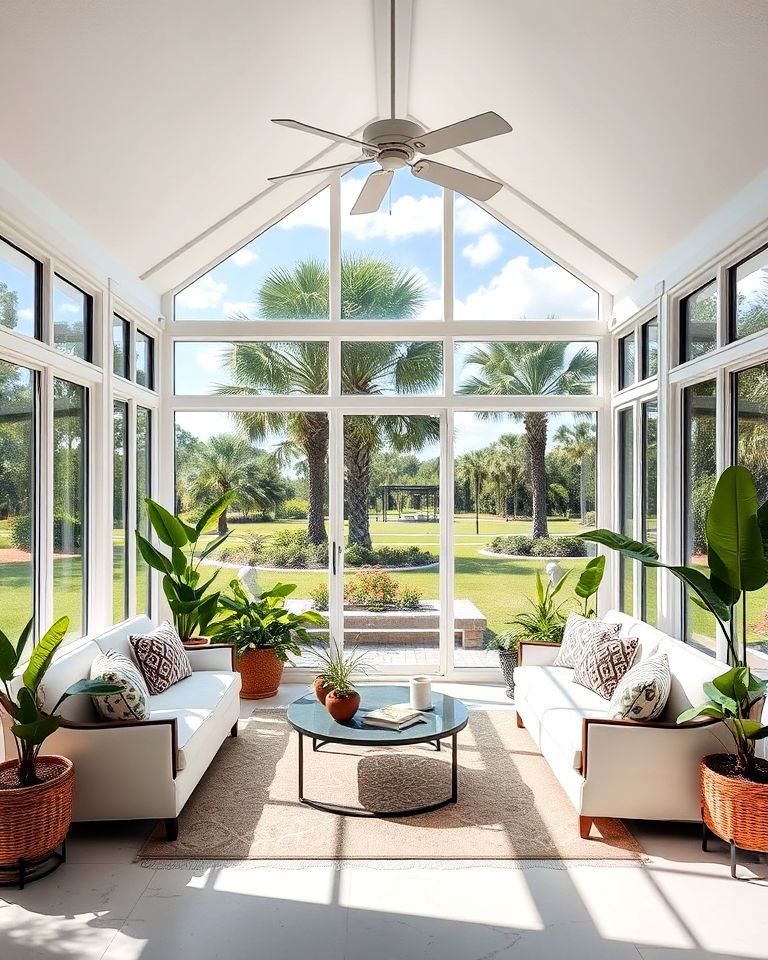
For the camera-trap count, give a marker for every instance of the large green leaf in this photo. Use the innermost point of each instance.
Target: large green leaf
(37, 730)
(9, 658)
(178, 561)
(152, 556)
(607, 538)
(591, 578)
(212, 514)
(705, 710)
(43, 654)
(735, 542)
(214, 544)
(167, 527)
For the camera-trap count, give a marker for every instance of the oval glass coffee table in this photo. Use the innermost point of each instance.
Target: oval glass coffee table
(309, 718)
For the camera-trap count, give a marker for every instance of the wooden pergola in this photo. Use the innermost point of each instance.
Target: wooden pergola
(430, 491)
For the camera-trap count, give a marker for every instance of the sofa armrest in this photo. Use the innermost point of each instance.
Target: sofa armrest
(537, 653)
(215, 656)
(646, 770)
(148, 735)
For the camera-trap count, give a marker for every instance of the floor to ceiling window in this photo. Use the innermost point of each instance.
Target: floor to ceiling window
(120, 466)
(360, 438)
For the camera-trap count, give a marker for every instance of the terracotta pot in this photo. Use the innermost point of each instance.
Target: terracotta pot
(733, 807)
(195, 642)
(35, 820)
(321, 690)
(261, 672)
(342, 708)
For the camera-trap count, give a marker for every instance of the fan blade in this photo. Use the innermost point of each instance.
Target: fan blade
(336, 166)
(373, 192)
(478, 188)
(481, 127)
(339, 137)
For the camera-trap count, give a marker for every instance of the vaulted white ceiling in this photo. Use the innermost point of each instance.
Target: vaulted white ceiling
(148, 122)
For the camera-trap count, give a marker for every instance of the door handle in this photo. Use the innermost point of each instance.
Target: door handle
(333, 557)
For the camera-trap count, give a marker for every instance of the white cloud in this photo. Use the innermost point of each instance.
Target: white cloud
(238, 306)
(210, 359)
(483, 251)
(68, 308)
(202, 294)
(26, 313)
(520, 290)
(469, 218)
(243, 257)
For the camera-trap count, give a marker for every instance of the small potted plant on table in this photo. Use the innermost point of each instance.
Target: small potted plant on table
(35, 791)
(333, 685)
(264, 632)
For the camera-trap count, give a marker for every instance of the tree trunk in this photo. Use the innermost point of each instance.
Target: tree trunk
(223, 526)
(316, 449)
(357, 456)
(583, 488)
(536, 434)
(477, 505)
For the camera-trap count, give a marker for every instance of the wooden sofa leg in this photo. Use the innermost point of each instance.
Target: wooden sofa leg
(519, 720)
(171, 828)
(233, 731)
(585, 825)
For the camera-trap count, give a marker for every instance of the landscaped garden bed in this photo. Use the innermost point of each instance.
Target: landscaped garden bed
(523, 546)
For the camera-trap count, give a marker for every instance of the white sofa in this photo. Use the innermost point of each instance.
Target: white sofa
(620, 768)
(141, 769)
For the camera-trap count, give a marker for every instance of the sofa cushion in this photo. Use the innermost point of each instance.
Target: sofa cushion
(192, 702)
(578, 635)
(560, 705)
(162, 657)
(132, 703)
(604, 663)
(642, 692)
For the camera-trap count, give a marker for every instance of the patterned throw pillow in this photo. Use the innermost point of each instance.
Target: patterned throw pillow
(578, 635)
(132, 703)
(642, 692)
(604, 663)
(162, 657)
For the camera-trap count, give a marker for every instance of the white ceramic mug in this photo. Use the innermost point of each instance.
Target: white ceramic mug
(421, 693)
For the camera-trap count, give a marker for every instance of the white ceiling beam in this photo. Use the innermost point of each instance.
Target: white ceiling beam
(383, 60)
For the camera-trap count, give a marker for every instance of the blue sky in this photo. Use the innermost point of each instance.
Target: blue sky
(498, 276)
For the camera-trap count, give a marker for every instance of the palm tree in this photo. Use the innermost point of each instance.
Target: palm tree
(578, 443)
(229, 462)
(497, 474)
(514, 452)
(263, 369)
(473, 467)
(531, 369)
(371, 287)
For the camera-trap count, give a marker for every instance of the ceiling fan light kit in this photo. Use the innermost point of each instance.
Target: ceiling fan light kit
(395, 143)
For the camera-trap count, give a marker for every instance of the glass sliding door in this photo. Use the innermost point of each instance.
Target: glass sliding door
(18, 508)
(649, 577)
(391, 573)
(524, 485)
(276, 463)
(70, 533)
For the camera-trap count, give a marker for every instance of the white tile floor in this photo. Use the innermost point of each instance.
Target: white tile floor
(681, 905)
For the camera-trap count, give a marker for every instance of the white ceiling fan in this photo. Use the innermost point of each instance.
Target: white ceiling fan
(396, 143)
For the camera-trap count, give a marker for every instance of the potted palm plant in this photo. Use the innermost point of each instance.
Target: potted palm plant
(264, 632)
(35, 790)
(734, 787)
(192, 605)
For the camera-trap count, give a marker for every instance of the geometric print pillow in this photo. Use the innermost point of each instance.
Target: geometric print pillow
(161, 656)
(132, 703)
(605, 663)
(578, 635)
(643, 691)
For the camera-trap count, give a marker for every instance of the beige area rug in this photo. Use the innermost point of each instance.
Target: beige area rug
(510, 806)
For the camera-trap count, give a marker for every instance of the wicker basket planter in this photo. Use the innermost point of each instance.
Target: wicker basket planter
(35, 820)
(508, 662)
(261, 672)
(732, 807)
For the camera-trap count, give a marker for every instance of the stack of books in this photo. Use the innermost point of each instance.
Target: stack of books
(396, 717)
